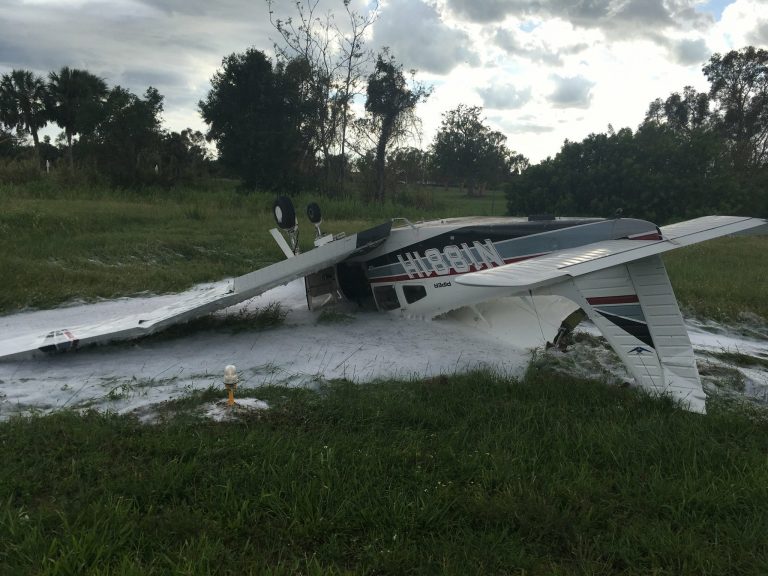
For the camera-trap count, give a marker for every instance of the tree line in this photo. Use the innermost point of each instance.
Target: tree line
(110, 131)
(285, 123)
(695, 153)
(288, 123)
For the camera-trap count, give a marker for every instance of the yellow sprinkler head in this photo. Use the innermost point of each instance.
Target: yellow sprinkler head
(230, 383)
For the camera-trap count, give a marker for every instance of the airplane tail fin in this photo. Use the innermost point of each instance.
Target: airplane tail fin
(634, 307)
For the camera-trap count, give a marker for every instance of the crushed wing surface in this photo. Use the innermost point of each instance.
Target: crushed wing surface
(197, 302)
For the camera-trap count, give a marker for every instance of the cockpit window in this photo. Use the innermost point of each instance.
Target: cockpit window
(414, 293)
(386, 297)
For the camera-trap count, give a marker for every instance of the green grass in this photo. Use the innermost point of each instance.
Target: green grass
(470, 474)
(269, 316)
(464, 475)
(724, 377)
(330, 315)
(725, 279)
(741, 359)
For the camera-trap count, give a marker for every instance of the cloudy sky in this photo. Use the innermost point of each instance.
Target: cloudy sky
(544, 70)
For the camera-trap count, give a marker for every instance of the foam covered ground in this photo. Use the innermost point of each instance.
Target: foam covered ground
(362, 347)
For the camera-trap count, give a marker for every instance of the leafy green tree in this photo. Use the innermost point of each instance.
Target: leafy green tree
(184, 155)
(694, 154)
(22, 104)
(684, 114)
(739, 86)
(240, 113)
(48, 152)
(8, 144)
(600, 174)
(409, 164)
(517, 164)
(572, 183)
(300, 106)
(75, 103)
(258, 118)
(127, 142)
(679, 134)
(467, 151)
(657, 173)
(390, 104)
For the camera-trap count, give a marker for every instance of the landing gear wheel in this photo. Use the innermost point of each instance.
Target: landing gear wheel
(313, 213)
(284, 213)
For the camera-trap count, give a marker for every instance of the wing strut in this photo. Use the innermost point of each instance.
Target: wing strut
(635, 308)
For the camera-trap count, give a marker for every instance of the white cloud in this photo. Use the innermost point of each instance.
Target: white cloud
(504, 96)
(525, 124)
(743, 22)
(759, 34)
(541, 45)
(571, 92)
(133, 44)
(616, 18)
(419, 37)
(690, 51)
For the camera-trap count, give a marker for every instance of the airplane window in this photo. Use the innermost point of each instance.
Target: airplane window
(386, 297)
(414, 293)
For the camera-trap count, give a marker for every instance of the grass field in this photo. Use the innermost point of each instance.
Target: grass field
(462, 475)
(725, 279)
(468, 474)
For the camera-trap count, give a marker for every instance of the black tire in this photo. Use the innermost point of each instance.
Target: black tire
(284, 213)
(313, 213)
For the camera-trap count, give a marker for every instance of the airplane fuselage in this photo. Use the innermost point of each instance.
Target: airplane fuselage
(415, 268)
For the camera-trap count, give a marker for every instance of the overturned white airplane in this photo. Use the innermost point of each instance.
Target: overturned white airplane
(527, 280)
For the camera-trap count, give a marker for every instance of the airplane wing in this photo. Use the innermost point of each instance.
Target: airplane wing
(197, 302)
(623, 288)
(573, 262)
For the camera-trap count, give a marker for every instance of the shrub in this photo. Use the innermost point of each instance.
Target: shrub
(19, 170)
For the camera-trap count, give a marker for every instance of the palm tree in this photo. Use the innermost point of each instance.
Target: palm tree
(22, 103)
(75, 100)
